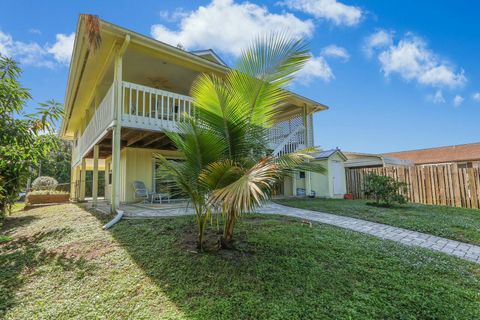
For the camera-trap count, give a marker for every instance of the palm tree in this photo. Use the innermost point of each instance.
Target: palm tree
(228, 166)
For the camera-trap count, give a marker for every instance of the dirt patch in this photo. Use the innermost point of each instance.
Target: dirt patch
(241, 247)
(89, 250)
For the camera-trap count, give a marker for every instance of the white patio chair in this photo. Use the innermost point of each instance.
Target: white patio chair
(141, 191)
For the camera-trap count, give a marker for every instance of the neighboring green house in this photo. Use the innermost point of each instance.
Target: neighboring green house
(329, 185)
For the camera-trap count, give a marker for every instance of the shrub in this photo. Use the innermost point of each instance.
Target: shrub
(44, 183)
(384, 190)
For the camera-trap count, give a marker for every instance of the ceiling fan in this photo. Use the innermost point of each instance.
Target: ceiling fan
(160, 83)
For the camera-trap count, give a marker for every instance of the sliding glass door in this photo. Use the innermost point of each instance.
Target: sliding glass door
(164, 184)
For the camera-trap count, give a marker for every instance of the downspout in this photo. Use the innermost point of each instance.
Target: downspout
(120, 213)
(117, 218)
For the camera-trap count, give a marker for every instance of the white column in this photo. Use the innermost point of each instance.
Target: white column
(83, 180)
(116, 135)
(95, 175)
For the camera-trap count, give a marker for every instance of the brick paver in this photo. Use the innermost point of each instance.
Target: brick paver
(408, 237)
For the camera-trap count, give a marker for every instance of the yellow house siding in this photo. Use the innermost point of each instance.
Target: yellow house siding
(320, 182)
(135, 164)
(138, 167)
(287, 187)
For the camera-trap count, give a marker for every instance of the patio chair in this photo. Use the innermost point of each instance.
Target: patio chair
(141, 191)
(160, 197)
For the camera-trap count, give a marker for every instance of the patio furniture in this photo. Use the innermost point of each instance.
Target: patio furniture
(160, 197)
(141, 191)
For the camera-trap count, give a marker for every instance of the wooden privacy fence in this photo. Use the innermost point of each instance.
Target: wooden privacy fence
(440, 184)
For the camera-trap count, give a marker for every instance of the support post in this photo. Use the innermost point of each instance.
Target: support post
(83, 174)
(305, 125)
(95, 175)
(117, 126)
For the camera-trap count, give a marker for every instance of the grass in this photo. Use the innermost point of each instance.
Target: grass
(61, 265)
(454, 223)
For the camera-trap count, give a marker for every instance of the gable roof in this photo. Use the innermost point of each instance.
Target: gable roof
(82, 59)
(327, 154)
(455, 153)
(210, 55)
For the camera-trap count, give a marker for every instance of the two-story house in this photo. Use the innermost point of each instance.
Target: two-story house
(122, 97)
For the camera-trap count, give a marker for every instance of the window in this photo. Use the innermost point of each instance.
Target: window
(302, 174)
(164, 183)
(465, 165)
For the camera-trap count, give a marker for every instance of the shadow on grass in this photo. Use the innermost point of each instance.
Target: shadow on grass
(289, 270)
(22, 256)
(13, 222)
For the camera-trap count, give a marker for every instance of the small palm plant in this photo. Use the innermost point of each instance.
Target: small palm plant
(228, 166)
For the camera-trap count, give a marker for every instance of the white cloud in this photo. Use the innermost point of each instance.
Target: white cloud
(316, 67)
(414, 61)
(34, 54)
(458, 100)
(332, 10)
(63, 48)
(30, 53)
(476, 96)
(229, 27)
(335, 51)
(175, 15)
(437, 97)
(377, 40)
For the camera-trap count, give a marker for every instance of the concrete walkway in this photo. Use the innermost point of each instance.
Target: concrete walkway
(412, 238)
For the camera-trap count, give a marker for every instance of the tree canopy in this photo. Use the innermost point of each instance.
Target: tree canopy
(25, 139)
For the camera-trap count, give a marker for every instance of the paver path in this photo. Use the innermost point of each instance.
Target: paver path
(412, 238)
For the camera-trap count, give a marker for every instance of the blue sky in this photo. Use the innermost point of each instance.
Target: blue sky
(396, 74)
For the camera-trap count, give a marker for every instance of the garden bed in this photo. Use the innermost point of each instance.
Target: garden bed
(34, 199)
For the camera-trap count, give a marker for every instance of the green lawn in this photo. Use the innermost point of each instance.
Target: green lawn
(454, 223)
(60, 265)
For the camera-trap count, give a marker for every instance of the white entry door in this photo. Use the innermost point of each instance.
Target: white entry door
(338, 176)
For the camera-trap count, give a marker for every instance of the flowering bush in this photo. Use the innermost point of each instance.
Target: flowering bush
(44, 183)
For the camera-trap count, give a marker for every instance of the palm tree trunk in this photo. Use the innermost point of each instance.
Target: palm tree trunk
(201, 222)
(201, 230)
(227, 237)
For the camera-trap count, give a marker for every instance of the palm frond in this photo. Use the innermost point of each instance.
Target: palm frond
(249, 190)
(220, 174)
(263, 70)
(300, 160)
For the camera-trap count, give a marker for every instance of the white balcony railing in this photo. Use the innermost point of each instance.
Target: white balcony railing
(288, 136)
(153, 109)
(159, 110)
(101, 120)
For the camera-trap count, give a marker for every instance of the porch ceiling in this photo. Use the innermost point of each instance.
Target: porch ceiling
(151, 71)
(133, 138)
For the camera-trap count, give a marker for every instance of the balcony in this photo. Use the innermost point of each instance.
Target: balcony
(151, 109)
